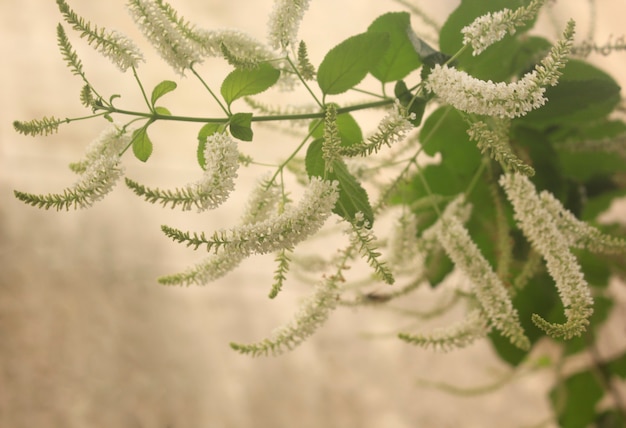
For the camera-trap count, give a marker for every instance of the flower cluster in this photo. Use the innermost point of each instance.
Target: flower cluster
(541, 227)
(472, 95)
(495, 142)
(162, 28)
(218, 180)
(220, 154)
(494, 299)
(99, 172)
(392, 128)
(284, 230)
(113, 45)
(261, 205)
(312, 314)
(500, 99)
(492, 27)
(456, 336)
(284, 23)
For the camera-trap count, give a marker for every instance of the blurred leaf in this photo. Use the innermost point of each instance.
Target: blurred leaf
(400, 58)
(575, 400)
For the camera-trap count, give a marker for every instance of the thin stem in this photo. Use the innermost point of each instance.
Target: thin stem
(295, 69)
(143, 91)
(206, 86)
(320, 115)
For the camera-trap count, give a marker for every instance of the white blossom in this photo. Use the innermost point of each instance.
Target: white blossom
(121, 50)
(492, 27)
(501, 99)
(456, 336)
(284, 23)
(102, 167)
(179, 51)
(578, 233)
(218, 180)
(238, 43)
(312, 314)
(287, 229)
(491, 293)
(472, 95)
(260, 206)
(542, 230)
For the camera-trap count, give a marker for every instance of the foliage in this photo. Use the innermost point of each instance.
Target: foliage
(527, 148)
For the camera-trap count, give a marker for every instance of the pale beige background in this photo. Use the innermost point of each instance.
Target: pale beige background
(87, 336)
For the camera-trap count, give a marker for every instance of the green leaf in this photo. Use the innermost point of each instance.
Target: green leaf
(161, 89)
(162, 111)
(142, 146)
(240, 126)
(400, 58)
(206, 131)
(345, 65)
(349, 130)
(445, 132)
(352, 197)
(575, 400)
(243, 82)
(617, 366)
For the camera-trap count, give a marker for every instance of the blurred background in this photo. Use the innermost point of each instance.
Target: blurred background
(88, 338)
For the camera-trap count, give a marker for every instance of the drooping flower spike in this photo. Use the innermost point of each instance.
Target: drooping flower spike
(492, 27)
(541, 228)
(493, 298)
(218, 180)
(284, 23)
(500, 99)
(99, 172)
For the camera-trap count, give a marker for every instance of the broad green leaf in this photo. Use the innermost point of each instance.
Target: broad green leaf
(400, 58)
(241, 126)
(243, 82)
(161, 89)
(142, 146)
(352, 197)
(445, 132)
(576, 398)
(206, 131)
(345, 65)
(349, 130)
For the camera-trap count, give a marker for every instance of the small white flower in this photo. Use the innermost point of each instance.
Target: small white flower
(284, 23)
